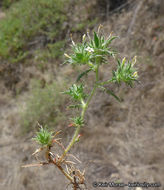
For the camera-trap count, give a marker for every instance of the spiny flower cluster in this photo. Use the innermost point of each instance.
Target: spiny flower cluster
(91, 51)
(43, 136)
(76, 92)
(125, 72)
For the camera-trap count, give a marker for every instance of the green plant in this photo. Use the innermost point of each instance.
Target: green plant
(29, 23)
(43, 137)
(8, 3)
(84, 24)
(92, 52)
(44, 105)
(125, 72)
(53, 50)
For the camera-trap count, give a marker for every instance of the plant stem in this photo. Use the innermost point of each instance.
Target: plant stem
(105, 82)
(65, 173)
(50, 160)
(84, 108)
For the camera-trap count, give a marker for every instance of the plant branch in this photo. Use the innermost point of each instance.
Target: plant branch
(105, 82)
(65, 173)
(84, 108)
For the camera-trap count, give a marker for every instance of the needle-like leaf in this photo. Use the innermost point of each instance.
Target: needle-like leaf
(83, 74)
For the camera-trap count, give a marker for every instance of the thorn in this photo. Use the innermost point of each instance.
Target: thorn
(134, 60)
(37, 151)
(84, 37)
(70, 162)
(74, 157)
(83, 173)
(72, 40)
(88, 35)
(32, 165)
(39, 125)
(99, 28)
(66, 55)
(55, 140)
(67, 168)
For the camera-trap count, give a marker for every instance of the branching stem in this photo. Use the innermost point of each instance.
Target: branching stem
(84, 108)
(65, 173)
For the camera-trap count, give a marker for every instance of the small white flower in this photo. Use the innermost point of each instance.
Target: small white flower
(90, 50)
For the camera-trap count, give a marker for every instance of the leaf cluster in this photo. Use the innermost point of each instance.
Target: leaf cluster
(76, 92)
(43, 137)
(91, 51)
(125, 72)
(78, 121)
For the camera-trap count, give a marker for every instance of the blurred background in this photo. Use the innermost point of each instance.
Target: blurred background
(121, 141)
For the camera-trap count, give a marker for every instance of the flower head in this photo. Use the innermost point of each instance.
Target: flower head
(125, 72)
(43, 137)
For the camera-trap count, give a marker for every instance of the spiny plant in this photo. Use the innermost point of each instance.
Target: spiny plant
(43, 137)
(92, 52)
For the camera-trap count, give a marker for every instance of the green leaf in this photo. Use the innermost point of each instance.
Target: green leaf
(43, 137)
(96, 40)
(82, 74)
(78, 121)
(110, 40)
(76, 92)
(110, 93)
(75, 106)
(118, 62)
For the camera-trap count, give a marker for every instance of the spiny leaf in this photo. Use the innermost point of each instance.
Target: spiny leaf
(113, 94)
(78, 121)
(110, 93)
(75, 106)
(82, 74)
(96, 40)
(118, 62)
(76, 92)
(110, 40)
(43, 137)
